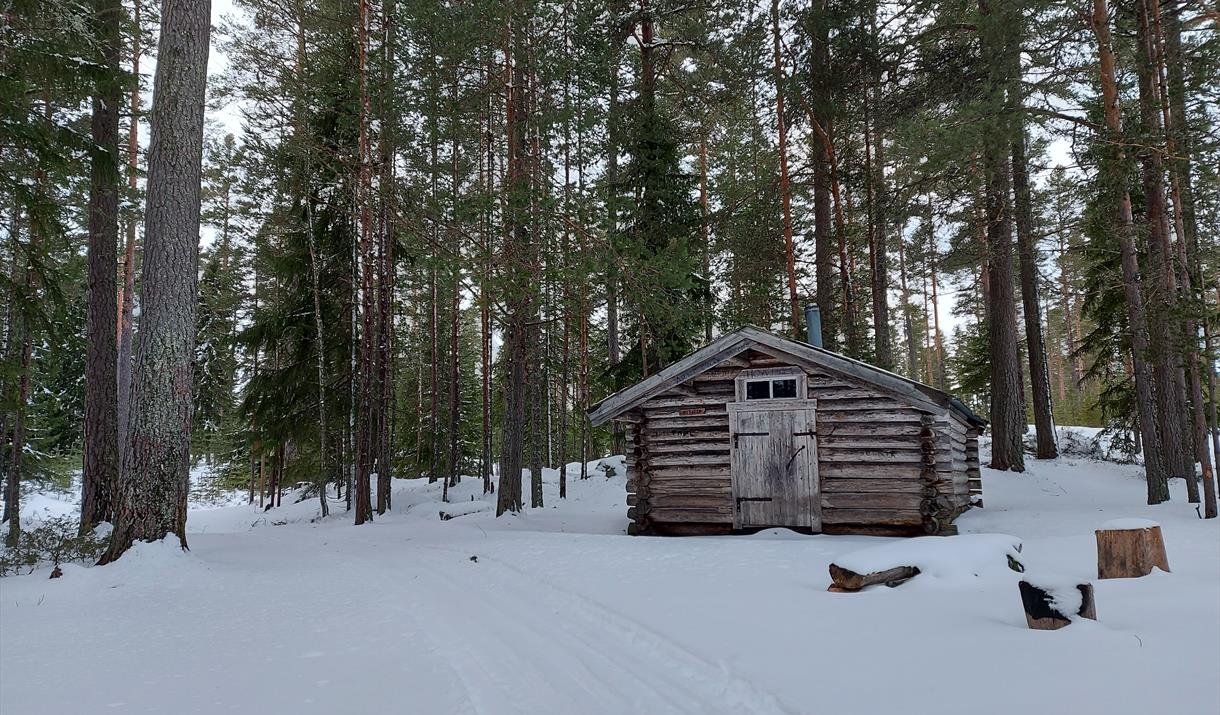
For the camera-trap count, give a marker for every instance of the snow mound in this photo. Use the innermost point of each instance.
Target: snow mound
(948, 558)
(1127, 524)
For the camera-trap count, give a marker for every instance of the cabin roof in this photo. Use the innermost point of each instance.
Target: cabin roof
(748, 337)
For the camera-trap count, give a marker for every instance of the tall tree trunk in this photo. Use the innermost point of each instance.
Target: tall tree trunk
(386, 268)
(1154, 465)
(1179, 147)
(515, 260)
(1035, 342)
(153, 491)
(823, 239)
(785, 193)
(937, 342)
(366, 403)
(908, 324)
(101, 449)
(1163, 299)
(878, 221)
(1007, 391)
(126, 301)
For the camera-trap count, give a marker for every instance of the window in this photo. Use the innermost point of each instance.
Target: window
(772, 388)
(758, 390)
(783, 388)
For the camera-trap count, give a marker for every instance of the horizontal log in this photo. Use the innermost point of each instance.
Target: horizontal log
(694, 447)
(869, 456)
(871, 501)
(852, 470)
(689, 422)
(869, 416)
(707, 435)
(830, 430)
(704, 471)
(862, 442)
(682, 401)
(874, 517)
(710, 516)
(872, 486)
(689, 459)
(691, 502)
(871, 404)
(713, 489)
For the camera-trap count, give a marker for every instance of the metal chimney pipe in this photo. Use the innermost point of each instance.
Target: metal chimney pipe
(813, 325)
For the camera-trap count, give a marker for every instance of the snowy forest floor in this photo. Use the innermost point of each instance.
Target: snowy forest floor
(558, 611)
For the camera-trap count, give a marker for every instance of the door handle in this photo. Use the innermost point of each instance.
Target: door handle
(793, 457)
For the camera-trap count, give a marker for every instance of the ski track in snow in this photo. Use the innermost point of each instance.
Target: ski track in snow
(606, 657)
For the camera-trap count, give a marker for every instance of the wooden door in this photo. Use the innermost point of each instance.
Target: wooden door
(774, 464)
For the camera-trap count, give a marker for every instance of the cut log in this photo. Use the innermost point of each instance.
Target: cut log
(851, 581)
(1129, 548)
(1044, 609)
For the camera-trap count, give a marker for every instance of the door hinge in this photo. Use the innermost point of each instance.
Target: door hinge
(810, 433)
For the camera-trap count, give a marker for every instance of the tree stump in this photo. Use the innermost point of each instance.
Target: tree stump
(1129, 548)
(1045, 606)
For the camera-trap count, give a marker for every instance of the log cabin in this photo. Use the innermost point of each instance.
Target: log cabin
(756, 430)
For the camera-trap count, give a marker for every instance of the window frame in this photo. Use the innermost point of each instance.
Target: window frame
(771, 374)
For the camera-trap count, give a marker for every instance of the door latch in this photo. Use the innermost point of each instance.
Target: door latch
(741, 499)
(748, 434)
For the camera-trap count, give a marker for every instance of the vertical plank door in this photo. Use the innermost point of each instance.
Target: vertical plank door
(773, 466)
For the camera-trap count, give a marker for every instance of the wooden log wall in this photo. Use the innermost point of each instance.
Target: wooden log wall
(885, 467)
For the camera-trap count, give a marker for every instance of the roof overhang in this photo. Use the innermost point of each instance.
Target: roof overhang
(919, 395)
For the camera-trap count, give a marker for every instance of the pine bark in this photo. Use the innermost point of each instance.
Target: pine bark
(155, 478)
(386, 272)
(823, 238)
(101, 448)
(785, 192)
(1124, 224)
(1007, 391)
(366, 403)
(515, 261)
(126, 301)
(1035, 341)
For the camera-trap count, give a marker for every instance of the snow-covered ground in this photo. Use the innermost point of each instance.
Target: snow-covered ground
(558, 611)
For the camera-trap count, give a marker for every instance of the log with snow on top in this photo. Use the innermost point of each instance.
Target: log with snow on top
(1052, 601)
(948, 558)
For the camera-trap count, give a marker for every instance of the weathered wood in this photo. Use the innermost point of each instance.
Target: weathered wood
(708, 516)
(871, 500)
(837, 442)
(698, 471)
(874, 486)
(1041, 613)
(689, 502)
(889, 430)
(849, 580)
(1130, 553)
(690, 459)
(879, 517)
(852, 470)
(895, 416)
(657, 437)
(704, 447)
(691, 422)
